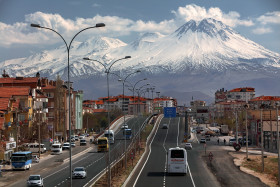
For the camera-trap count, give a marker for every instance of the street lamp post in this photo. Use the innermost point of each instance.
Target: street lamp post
(107, 71)
(123, 81)
(68, 47)
(133, 88)
(158, 101)
(139, 129)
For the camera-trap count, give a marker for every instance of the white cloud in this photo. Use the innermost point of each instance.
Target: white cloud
(194, 12)
(95, 5)
(262, 30)
(270, 17)
(115, 26)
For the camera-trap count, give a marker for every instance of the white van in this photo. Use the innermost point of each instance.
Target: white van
(177, 160)
(34, 148)
(110, 135)
(56, 149)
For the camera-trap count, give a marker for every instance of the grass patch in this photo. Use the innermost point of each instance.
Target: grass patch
(270, 166)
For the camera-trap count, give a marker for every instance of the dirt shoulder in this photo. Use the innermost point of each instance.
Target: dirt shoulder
(254, 166)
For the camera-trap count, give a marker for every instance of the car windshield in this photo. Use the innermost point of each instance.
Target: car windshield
(66, 144)
(79, 169)
(34, 178)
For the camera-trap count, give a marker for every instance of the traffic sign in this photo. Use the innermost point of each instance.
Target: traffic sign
(169, 112)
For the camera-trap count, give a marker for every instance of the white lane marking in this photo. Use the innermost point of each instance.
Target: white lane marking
(150, 150)
(65, 167)
(191, 175)
(166, 135)
(165, 164)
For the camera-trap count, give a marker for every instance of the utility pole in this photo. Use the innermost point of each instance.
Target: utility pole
(262, 140)
(246, 124)
(271, 133)
(39, 138)
(17, 126)
(236, 126)
(277, 118)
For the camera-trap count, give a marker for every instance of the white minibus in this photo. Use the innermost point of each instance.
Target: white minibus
(34, 148)
(56, 148)
(110, 135)
(177, 160)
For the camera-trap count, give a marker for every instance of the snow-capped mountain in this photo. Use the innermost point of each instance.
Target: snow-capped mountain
(200, 55)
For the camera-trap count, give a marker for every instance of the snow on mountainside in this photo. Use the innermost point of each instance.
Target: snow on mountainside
(192, 55)
(53, 62)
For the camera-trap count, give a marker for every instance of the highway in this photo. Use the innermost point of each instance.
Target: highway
(57, 173)
(153, 172)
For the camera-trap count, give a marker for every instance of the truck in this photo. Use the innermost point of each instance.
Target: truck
(110, 135)
(224, 129)
(102, 144)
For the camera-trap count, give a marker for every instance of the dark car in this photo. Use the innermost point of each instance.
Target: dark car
(242, 141)
(165, 126)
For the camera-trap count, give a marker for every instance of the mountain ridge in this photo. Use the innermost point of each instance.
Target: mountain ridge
(200, 55)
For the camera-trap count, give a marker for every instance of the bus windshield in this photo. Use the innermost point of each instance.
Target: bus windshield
(177, 154)
(108, 135)
(18, 159)
(102, 142)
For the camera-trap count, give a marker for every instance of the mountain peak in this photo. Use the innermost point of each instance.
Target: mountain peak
(208, 26)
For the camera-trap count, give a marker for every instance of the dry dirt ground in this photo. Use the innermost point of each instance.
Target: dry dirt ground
(245, 166)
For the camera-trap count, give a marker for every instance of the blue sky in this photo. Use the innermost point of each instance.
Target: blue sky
(258, 20)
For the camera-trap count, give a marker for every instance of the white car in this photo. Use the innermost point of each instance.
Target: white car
(231, 141)
(35, 158)
(82, 136)
(188, 146)
(35, 180)
(66, 145)
(83, 142)
(202, 140)
(125, 126)
(79, 172)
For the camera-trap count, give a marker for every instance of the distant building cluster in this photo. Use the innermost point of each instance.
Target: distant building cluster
(29, 102)
(35, 109)
(128, 104)
(231, 108)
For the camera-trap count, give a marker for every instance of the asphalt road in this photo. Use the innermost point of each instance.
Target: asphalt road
(57, 173)
(154, 172)
(221, 171)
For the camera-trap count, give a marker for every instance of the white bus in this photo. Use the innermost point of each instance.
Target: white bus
(56, 148)
(177, 160)
(34, 148)
(110, 135)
